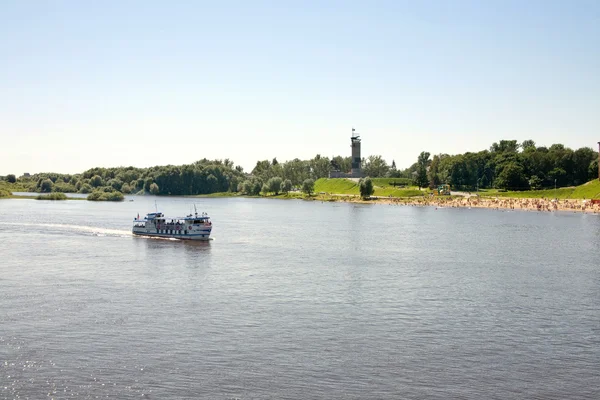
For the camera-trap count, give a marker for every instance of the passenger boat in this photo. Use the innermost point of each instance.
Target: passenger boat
(191, 227)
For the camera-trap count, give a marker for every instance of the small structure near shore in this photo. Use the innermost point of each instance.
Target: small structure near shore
(356, 171)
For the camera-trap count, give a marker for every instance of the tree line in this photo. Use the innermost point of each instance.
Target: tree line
(507, 164)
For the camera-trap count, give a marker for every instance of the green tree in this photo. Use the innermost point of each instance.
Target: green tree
(512, 177)
(256, 187)
(320, 167)
(86, 188)
(423, 162)
(96, 181)
(505, 146)
(115, 183)
(46, 186)
(343, 164)
(286, 186)
(147, 183)
(125, 188)
(154, 189)
(421, 179)
(366, 187)
(274, 185)
(265, 189)
(528, 145)
(308, 186)
(376, 167)
(247, 187)
(593, 169)
(11, 178)
(535, 182)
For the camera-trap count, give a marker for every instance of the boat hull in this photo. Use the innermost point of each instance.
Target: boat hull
(194, 236)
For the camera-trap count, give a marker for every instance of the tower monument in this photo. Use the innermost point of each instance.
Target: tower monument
(356, 158)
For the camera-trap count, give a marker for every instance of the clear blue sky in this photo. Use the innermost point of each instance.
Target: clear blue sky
(117, 83)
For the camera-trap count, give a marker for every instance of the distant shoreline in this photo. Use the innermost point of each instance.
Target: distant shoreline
(473, 201)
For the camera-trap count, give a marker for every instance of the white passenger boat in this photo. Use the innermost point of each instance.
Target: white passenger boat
(191, 227)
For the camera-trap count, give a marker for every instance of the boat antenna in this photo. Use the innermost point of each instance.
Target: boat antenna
(155, 206)
(195, 211)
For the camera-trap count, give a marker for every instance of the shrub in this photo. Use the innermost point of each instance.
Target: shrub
(308, 186)
(125, 188)
(286, 186)
(52, 196)
(64, 188)
(96, 181)
(366, 187)
(85, 188)
(114, 196)
(115, 184)
(98, 195)
(5, 193)
(46, 186)
(154, 188)
(274, 185)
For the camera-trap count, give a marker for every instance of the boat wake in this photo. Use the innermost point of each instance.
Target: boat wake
(90, 230)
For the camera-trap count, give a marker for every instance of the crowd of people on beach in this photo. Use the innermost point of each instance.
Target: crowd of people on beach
(498, 203)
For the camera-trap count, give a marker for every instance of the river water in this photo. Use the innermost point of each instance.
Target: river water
(298, 300)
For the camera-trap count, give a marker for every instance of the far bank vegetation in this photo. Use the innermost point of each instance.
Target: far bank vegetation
(506, 166)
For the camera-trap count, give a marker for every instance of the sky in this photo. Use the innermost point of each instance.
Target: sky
(142, 83)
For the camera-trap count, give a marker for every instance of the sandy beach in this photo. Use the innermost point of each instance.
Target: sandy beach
(541, 205)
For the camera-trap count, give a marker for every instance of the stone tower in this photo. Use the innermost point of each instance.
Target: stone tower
(356, 158)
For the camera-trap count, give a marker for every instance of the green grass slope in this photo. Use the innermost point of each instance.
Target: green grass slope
(381, 186)
(590, 190)
(336, 186)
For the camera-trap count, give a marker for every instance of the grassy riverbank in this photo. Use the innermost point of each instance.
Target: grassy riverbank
(347, 190)
(589, 190)
(382, 188)
(340, 189)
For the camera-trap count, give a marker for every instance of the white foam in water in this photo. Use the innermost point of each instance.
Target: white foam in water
(78, 228)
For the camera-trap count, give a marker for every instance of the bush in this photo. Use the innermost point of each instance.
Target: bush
(274, 185)
(114, 196)
(85, 188)
(246, 187)
(308, 186)
(52, 196)
(98, 195)
(256, 187)
(125, 188)
(96, 181)
(154, 188)
(5, 193)
(11, 178)
(64, 188)
(366, 187)
(115, 184)
(46, 186)
(286, 186)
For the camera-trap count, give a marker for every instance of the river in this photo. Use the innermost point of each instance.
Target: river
(298, 300)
